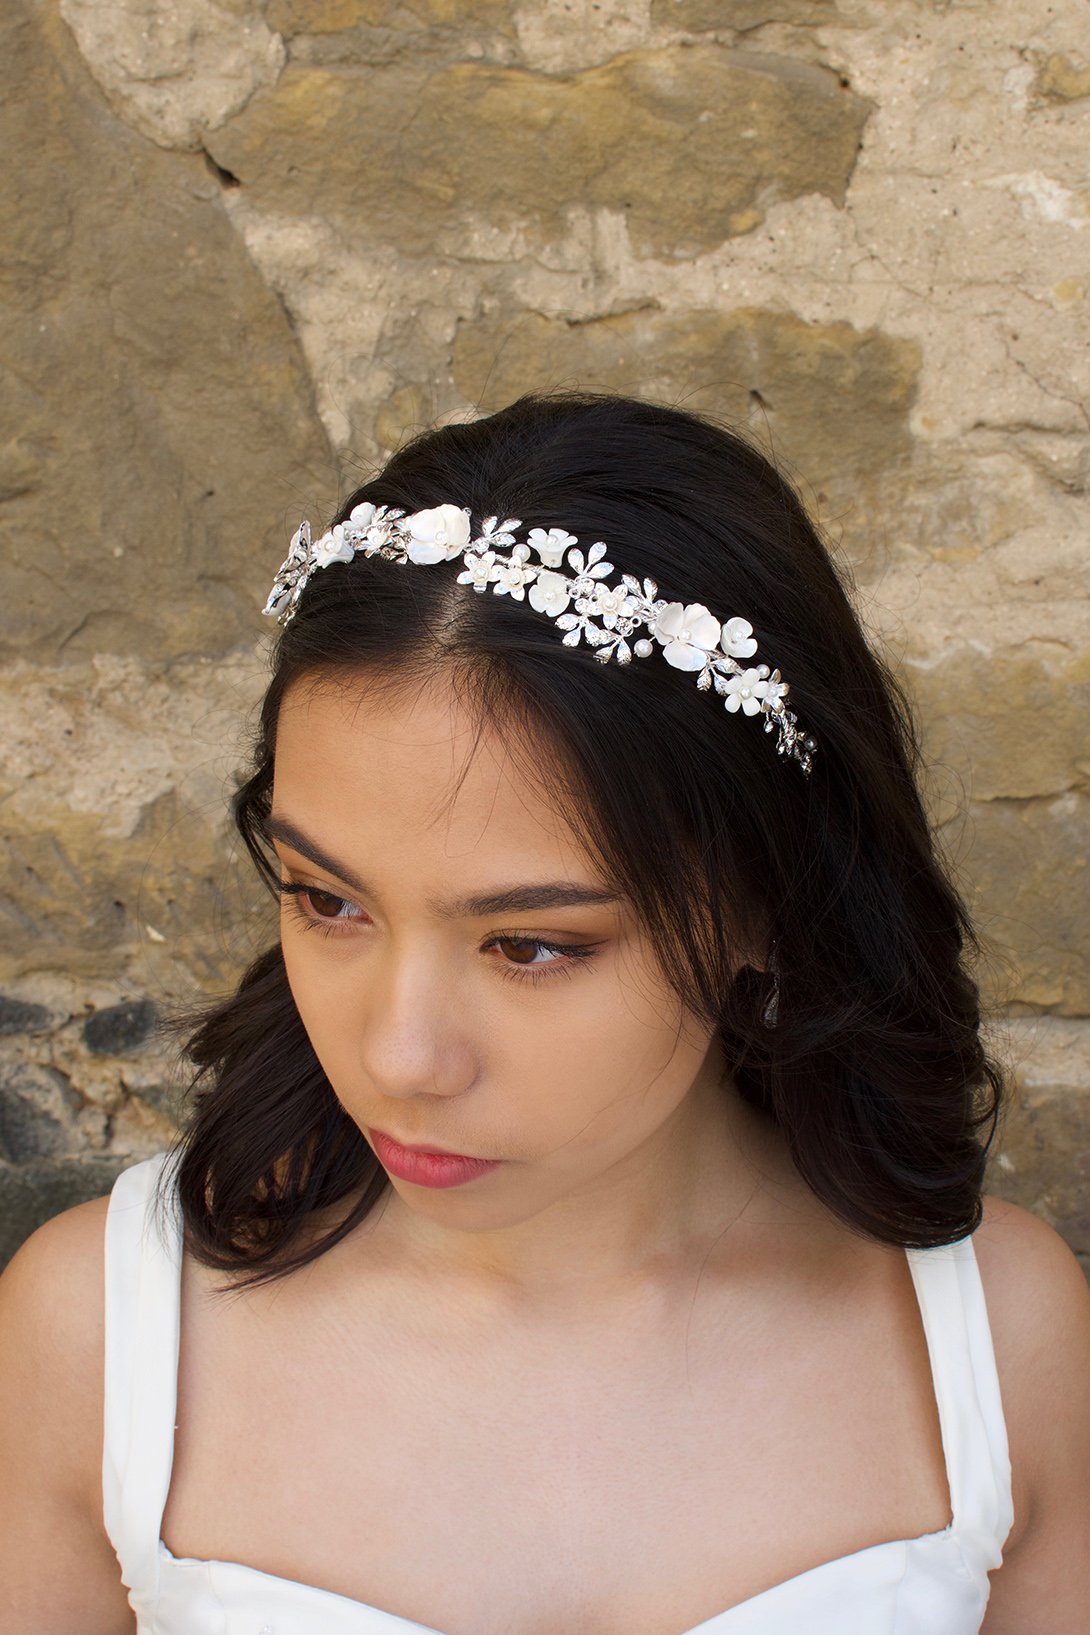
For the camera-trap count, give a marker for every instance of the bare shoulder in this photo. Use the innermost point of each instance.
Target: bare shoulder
(51, 1338)
(57, 1260)
(1035, 1290)
(58, 1568)
(1038, 1305)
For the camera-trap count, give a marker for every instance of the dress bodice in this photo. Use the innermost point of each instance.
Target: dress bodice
(934, 1584)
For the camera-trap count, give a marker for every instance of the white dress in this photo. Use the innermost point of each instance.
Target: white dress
(936, 1584)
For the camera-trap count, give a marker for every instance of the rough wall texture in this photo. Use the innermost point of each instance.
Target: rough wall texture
(247, 247)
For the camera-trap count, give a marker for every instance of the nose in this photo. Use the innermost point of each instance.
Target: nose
(415, 1027)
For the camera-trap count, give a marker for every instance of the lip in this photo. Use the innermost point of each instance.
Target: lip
(426, 1167)
(435, 1152)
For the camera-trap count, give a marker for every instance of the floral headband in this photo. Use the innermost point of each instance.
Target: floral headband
(689, 636)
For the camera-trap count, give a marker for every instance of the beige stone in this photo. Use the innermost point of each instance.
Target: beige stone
(116, 782)
(1024, 866)
(156, 422)
(291, 17)
(1014, 718)
(725, 15)
(1041, 1157)
(176, 70)
(1059, 80)
(563, 39)
(982, 610)
(685, 145)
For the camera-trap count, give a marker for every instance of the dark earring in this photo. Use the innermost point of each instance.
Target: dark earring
(771, 1010)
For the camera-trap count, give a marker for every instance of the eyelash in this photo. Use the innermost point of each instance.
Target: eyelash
(293, 894)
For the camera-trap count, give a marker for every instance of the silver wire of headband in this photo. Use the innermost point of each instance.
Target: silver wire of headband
(689, 636)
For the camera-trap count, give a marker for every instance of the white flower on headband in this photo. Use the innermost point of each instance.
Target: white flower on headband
(608, 616)
(512, 577)
(550, 545)
(332, 547)
(478, 573)
(437, 535)
(737, 639)
(745, 691)
(612, 604)
(549, 593)
(688, 634)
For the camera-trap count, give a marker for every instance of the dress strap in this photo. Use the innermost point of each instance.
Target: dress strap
(143, 1249)
(974, 1431)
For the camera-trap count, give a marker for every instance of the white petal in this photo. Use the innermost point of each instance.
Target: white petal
(704, 628)
(339, 553)
(447, 520)
(737, 639)
(670, 621)
(424, 552)
(548, 546)
(548, 594)
(683, 656)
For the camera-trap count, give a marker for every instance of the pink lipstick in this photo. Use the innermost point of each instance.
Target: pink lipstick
(428, 1169)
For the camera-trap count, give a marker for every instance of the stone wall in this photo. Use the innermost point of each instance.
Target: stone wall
(247, 247)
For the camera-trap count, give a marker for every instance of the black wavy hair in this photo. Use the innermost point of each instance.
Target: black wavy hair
(872, 1064)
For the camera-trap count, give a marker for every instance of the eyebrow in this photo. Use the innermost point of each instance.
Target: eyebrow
(510, 900)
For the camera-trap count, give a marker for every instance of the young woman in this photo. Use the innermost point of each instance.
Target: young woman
(577, 1225)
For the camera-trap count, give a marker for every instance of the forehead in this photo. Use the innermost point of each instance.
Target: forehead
(413, 776)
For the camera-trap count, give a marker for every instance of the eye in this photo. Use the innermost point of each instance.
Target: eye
(565, 960)
(325, 912)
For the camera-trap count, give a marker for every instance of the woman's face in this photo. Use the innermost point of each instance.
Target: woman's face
(543, 1035)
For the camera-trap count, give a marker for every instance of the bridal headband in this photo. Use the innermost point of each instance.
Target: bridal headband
(574, 597)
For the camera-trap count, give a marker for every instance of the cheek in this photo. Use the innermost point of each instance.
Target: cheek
(610, 1075)
(316, 997)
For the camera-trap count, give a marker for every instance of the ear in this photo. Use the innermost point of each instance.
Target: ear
(760, 957)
